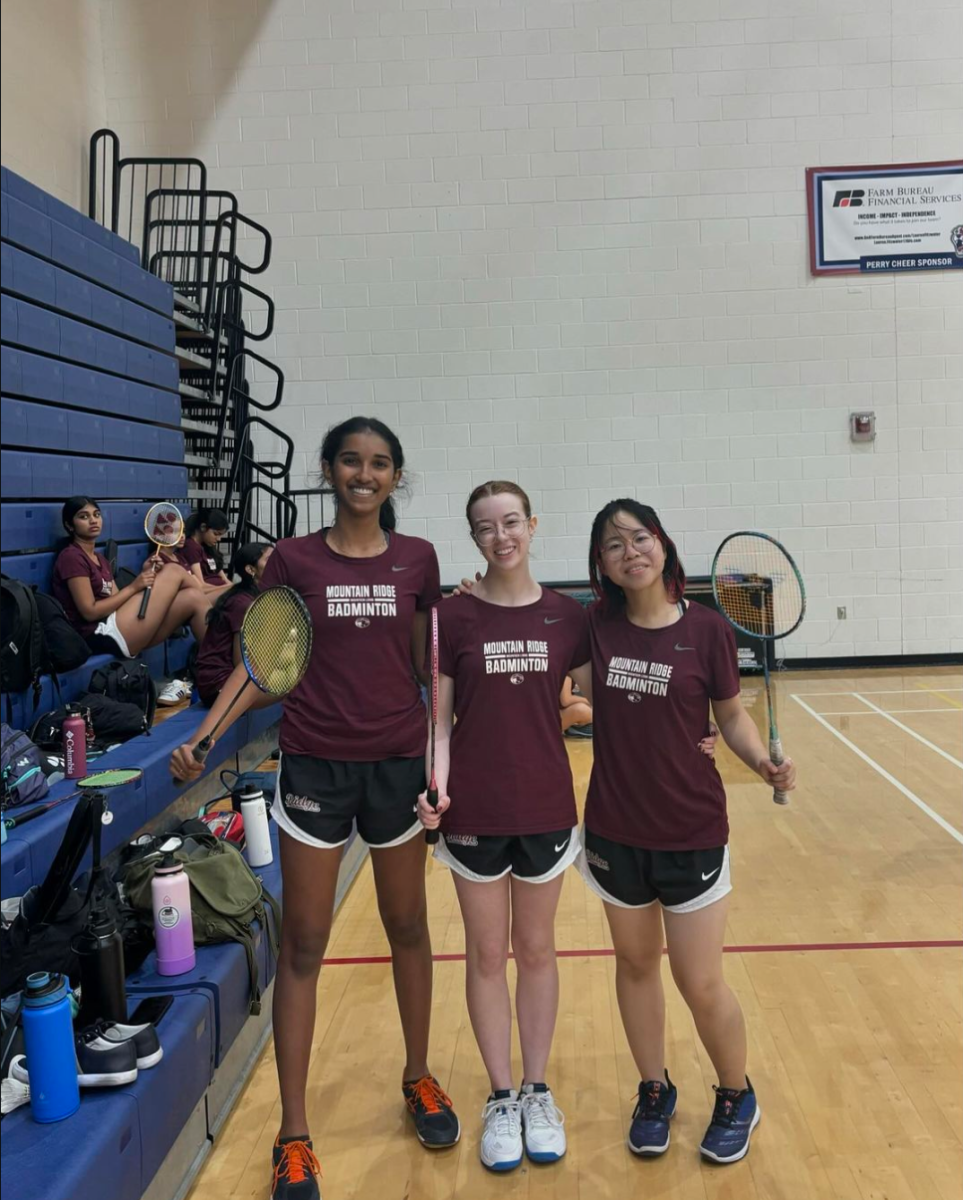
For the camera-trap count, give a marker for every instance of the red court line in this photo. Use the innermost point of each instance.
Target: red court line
(777, 948)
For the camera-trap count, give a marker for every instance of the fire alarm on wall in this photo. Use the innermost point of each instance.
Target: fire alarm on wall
(862, 426)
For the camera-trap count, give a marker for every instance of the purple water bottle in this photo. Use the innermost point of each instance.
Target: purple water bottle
(171, 898)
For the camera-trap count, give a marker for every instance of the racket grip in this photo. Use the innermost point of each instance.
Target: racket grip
(202, 749)
(142, 611)
(777, 756)
(431, 835)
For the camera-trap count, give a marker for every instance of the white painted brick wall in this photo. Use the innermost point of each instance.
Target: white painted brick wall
(565, 243)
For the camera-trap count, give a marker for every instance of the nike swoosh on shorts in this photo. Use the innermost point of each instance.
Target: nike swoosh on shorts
(559, 849)
(711, 873)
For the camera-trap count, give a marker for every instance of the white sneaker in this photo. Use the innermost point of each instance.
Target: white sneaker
(174, 692)
(543, 1123)
(501, 1141)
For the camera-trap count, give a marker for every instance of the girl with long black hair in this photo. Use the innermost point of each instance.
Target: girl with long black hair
(108, 617)
(221, 651)
(353, 742)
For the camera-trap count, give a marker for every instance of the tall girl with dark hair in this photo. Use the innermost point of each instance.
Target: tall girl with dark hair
(221, 651)
(203, 530)
(656, 830)
(108, 616)
(353, 742)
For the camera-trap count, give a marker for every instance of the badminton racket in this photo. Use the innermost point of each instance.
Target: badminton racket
(99, 781)
(275, 649)
(760, 592)
(431, 835)
(164, 525)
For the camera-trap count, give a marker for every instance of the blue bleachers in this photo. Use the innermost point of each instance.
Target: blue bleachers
(35, 377)
(31, 526)
(41, 202)
(34, 328)
(81, 253)
(39, 426)
(50, 476)
(120, 1134)
(36, 280)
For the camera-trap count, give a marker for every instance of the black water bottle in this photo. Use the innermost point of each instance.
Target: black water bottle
(103, 988)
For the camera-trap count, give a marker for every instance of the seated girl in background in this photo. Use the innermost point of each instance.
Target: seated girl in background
(575, 711)
(108, 616)
(199, 554)
(221, 651)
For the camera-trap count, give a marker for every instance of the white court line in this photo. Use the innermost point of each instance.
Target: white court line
(897, 712)
(875, 692)
(906, 729)
(911, 796)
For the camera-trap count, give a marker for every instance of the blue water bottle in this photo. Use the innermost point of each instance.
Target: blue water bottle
(48, 1032)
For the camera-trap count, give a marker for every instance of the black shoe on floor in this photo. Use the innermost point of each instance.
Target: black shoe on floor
(579, 731)
(431, 1110)
(295, 1170)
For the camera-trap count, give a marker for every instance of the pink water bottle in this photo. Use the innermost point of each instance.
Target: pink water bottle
(74, 731)
(171, 899)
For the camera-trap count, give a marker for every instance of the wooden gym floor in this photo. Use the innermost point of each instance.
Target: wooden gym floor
(844, 948)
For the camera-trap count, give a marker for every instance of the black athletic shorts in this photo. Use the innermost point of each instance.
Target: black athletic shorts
(531, 857)
(681, 880)
(318, 799)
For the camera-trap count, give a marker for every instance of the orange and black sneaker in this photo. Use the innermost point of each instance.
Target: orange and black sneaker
(431, 1110)
(295, 1170)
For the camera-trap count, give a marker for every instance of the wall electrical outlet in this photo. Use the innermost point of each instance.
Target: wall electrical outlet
(841, 613)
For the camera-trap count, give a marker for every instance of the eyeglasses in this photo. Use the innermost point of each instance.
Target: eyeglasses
(641, 542)
(485, 535)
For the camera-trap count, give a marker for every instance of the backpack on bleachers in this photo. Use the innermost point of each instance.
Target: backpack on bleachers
(66, 649)
(226, 896)
(22, 654)
(22, 777)
(127, 681)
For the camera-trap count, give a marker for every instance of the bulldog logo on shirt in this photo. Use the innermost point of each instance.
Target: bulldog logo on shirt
(106, 587)
(362, 623)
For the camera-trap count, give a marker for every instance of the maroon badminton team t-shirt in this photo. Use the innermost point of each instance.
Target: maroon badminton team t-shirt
(651, 785)
(193, 552)
(72, 563)
(215, 659)
(509, 771)
(359, 700)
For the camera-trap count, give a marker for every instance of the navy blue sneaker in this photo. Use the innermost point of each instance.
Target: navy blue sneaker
(431, 1110)
(649, 1134)
(735, 1116)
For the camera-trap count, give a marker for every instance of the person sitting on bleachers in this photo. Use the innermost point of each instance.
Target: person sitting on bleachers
(203, 530)
(221, 651)
(108, 616)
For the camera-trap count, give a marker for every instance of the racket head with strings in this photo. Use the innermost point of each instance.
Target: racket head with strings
(276, 638)
(759, 590)
(117, 777)
(431, 835)
(164, 526)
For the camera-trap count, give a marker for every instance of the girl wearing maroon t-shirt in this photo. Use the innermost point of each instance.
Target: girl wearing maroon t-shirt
(353, 743)
(108, 616)
(507, 809)
(655, 817)
(221, 651)
(199, 553)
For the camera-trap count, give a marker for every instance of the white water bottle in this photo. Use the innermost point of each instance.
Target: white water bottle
(257, 833)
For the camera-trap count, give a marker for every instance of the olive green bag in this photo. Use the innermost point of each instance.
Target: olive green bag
(227, 898)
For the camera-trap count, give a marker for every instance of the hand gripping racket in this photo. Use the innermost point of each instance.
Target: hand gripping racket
(275, 649)
(759, 591)
(431, 835)
(164, 525)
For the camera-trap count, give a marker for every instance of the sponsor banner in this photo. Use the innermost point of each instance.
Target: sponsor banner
(905, 217)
